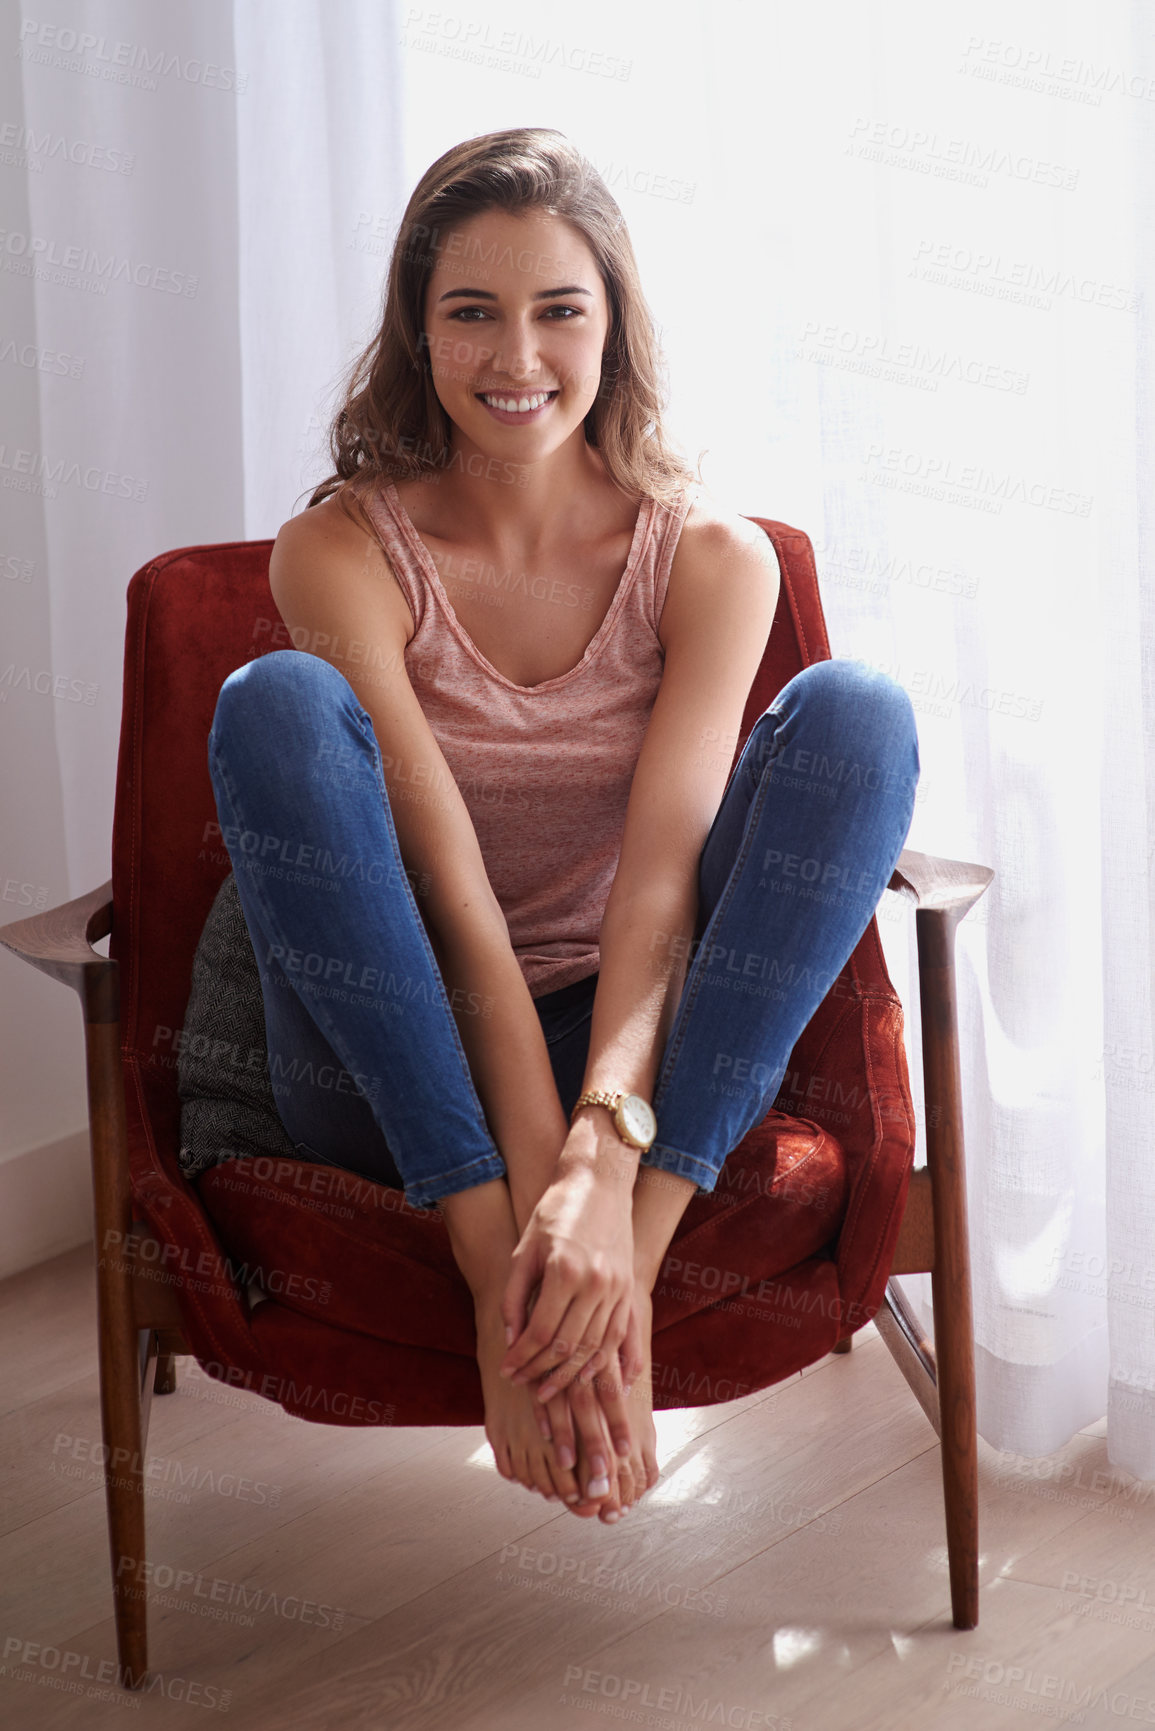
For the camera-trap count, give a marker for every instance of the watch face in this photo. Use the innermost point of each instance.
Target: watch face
(638, 1119)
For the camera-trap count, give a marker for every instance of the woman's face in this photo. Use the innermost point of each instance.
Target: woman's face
(516, 320)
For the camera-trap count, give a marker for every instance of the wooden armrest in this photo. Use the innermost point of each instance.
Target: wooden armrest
(944, 885)
(943, 890)
(59, 942)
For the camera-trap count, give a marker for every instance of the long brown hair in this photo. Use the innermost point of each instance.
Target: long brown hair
(391, 423)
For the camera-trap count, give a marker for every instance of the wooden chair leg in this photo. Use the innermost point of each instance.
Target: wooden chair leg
(123, 1365)
(954, 1356)
(121, 1413)
(950, 1275)
(844, 1344)
(168, 1345)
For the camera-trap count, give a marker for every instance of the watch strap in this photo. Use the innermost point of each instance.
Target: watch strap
(597, 1097)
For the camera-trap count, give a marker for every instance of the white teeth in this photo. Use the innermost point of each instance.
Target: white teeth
(517, 405)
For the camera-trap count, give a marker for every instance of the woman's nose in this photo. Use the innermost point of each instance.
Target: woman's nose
(521, 364)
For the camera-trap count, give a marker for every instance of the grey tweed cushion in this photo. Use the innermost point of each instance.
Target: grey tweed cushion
(227, 1105)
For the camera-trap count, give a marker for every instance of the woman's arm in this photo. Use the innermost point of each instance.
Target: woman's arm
(719, 607)
(337, 594)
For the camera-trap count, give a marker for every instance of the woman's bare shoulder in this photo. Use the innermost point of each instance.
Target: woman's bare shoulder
(713, 530)
(337, 523)
(332, 540)
(327, 560)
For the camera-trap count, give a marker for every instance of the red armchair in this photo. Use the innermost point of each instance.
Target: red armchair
(778, 1266)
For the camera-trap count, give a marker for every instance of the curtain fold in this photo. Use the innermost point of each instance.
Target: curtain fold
(185, 200)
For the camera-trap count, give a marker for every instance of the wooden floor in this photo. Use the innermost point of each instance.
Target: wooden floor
(789, 1570)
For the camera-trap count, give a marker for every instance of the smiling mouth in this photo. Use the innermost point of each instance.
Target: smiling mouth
(525, 403)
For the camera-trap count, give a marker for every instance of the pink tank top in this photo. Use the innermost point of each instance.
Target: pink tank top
(545, 770)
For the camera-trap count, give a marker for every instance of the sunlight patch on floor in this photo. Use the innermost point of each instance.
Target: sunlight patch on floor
(793, 1645)
(685, 1482)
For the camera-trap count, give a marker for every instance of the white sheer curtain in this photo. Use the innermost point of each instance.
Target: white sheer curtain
(901, 256)
(902, 264)
(191, 200)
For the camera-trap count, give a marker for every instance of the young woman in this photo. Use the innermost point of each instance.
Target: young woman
(527, 637)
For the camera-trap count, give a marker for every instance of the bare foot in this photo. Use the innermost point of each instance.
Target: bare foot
(513, 1417)
(610, 1489)
(640, 1400)
(628, 1418)
(594, 1418)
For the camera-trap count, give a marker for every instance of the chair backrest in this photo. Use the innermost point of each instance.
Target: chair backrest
(194, 615)
(197, 613)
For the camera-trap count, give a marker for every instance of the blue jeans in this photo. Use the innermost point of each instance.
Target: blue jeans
(367, 1066)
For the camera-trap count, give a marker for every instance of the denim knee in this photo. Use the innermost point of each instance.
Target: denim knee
(839, 703)
(282, 686)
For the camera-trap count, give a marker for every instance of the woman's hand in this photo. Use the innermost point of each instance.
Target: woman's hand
(578, 1251)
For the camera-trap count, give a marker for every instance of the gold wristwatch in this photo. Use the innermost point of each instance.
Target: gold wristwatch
(633, 1117)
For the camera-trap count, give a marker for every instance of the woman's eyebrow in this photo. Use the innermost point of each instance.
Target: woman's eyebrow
(486, 295)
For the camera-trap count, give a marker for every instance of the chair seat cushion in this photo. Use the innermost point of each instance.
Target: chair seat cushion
(354, 1255)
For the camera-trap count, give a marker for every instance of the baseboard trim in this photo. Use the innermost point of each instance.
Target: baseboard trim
(45, 1202)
